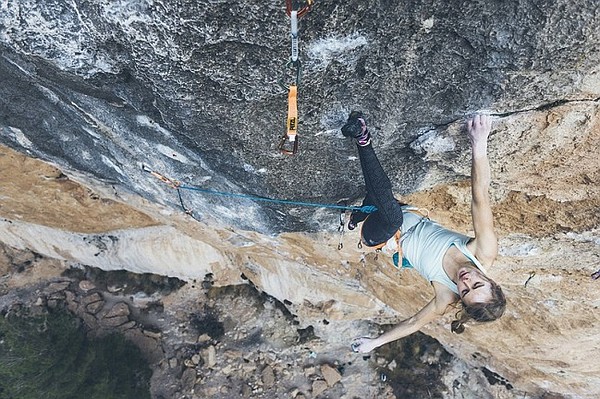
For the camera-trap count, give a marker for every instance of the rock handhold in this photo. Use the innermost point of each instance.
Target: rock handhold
(318, 387)
(209, 356)
(331, 375)
(268, 376)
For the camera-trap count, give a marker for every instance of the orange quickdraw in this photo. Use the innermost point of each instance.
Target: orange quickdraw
(293, 5)
(171, 182)
(289, 141)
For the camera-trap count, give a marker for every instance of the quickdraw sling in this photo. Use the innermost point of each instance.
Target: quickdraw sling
(289, 142)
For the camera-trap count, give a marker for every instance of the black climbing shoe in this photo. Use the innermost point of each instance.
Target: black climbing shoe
(356, 128)
(355, 218)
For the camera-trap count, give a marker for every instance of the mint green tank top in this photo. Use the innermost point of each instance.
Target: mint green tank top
(424, 244)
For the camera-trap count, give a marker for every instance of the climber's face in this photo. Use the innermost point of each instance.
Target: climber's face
(473, 286)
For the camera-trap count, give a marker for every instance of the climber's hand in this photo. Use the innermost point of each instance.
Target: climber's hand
(363, 345)
(478, 129)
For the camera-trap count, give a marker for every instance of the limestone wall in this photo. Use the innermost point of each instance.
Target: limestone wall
(191, 89)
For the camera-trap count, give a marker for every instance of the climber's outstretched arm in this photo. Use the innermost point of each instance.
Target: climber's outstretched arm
(434, 309)
(485, 243)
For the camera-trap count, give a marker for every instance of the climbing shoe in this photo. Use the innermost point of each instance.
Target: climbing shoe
(355, 218)
(356, 128)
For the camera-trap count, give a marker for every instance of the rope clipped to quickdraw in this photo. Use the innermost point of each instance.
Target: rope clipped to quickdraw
(342, 227)
(289, 141)
(173, 184)
(163, 178)
(531, 275)
(179, 186)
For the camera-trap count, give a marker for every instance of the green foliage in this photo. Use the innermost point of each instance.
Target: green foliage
(50, 357)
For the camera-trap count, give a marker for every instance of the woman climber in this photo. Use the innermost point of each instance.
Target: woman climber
(453, 263)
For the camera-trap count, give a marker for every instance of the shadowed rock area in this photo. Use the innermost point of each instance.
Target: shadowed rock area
(91, 91)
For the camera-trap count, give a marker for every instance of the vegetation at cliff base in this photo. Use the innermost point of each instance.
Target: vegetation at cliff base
(49, 356)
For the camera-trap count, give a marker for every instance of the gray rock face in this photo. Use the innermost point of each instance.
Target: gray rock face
(192, 90)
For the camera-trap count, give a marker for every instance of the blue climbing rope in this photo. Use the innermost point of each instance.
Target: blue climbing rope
(177, 185)
(363, 209)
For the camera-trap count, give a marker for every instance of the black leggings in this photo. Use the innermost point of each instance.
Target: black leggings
(381, 225)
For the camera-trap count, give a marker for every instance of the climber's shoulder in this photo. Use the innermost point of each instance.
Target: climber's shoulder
(444, 297)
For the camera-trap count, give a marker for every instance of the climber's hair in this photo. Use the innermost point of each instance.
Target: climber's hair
(482, 312)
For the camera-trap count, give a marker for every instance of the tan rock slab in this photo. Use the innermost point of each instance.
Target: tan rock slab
(331, 375)
(318, 387)
(54, 200)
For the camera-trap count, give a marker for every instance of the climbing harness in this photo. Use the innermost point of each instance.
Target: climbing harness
(179, 186)
(397, 257)
(289, 141)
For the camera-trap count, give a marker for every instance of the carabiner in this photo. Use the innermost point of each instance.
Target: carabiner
(342, 226)
(298, 66)
(283, 83)
(293, 5)
(289, 145)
